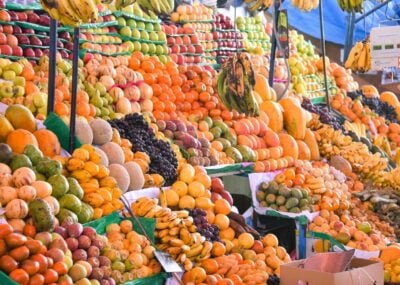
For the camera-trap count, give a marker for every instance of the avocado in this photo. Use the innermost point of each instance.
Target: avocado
(59, 184)
(294, 210)
(42, 215)
(284, 191)
(70, 202)
(85, 215)
(303, 202)
(34, 153)
(49, 167)
(5, 153)
(260, 195)
(64, 213)
(273, 187)
(291, 202)
(280, 200)
(20, 160)
(75, 188)
(271, 198)
(296, 193)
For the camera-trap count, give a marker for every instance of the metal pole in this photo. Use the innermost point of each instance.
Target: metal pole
(277, 4)
(349, 36)
(321, 25)
(74, 90)
(52, 66)
(377, 7)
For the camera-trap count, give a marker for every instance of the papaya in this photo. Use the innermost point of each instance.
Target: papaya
(275, 115)
(289, 145)
(389, 254)
(294, 117)
(390, 98)
(48, 142)
(304, 150)
(262, 87)
(312, 144)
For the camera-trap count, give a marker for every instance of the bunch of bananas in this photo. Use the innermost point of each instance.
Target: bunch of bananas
(71, 12)
(359, 59)
(382, 142)
(351, 5)
(235, 85)
(357, 128)
(257, 5)
(175, 231)
(305, 5)
(160, 7)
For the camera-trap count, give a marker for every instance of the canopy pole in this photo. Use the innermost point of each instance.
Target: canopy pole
(321, 26)
(277, 4)
(52, 66)
(75, 63)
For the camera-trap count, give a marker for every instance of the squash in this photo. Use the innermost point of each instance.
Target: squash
(23, 176)
(114, 152)
(341, 164)
(262, 87)
(312, 144)
(102, 131)
(16, 209)
(135, 175)
(289, 145)
(7, 194)
(19, 139)
(275, 115)
(83, 132)
(27, 193)
(370, 91)
(304, 150)
(120, 174)
(390, 254)
(390, 98)
(48, 142)
(294, 117)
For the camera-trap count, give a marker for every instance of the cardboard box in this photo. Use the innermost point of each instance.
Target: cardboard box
(363, 272)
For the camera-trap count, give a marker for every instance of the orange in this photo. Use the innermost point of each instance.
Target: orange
(222, 221)
(196, 189)
(246, 240)
(228, 234)
(203, 179)
(221, 206)
(210, 266)
(180, 188)
(187, 173)
(218, 249)
(198, 274)
(187, 202)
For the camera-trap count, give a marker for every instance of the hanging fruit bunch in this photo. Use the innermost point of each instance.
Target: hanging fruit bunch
(235, 85)
(351, 6)
(359, 59)
(305, 5)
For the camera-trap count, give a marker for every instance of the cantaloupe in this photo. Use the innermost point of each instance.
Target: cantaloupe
(114, 153)
(104, 158)
(83, 132)
(102, 131)
(135, 175)
(120, 174)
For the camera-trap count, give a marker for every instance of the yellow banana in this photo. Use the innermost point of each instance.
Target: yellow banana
(173, 250)
(162, 233)
(166, 239)
(182, 214)
(194, 251)
(184, 235)
(176, 242)
(174, 231)
(162, 226)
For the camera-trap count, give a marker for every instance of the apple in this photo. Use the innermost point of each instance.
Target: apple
(69, 46)
(64, 54)
(181, 59)
(227, 196)
(17, 30)
(217, 185)
(8, 29)
(178, 41)
(65, 35)
(13, 16)
(215, 196)
(38, 52)
(44, 20)
(364, 227)
(1, 28)
(33, 18)
(5, 16)
(175, 49)
(191, 49)
(60, 44)
(22, 16)
(35, 41)
(197, 59)
(113, 30)
(199, 49)
(3, 39)
(183, 49)
(12, 40)
(17, 51)
(258, 247)
(29, 52)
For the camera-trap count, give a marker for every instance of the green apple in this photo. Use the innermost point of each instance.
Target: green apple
(136, 34)
(97, 101)
(102, 89)
(137, 46)
(18, 91)
(19, 81)
(241, 27)
(145, 48)
(165, 49)
(141, 25)
(126, 31)
(9, 75)
(144, 35)
(163, 58)
(149, 27)
(152, 48)
(157, 27)
(130, 46)
(39, 100)
(161, 36)
(6, 90)
(131, 23)
(240, 20)
(121, 22)
(159, 49)
(153, 36)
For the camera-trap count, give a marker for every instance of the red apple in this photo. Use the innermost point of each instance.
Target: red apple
(22, 16)
(3, 39)
(29, 52)
(215, 196)
(197, 59)
(38, 52)
(258, 246)
(181, 59)
(199, 49)
(17, 51)
(33, 18)
(227, 196)
(8, 29)
(175, 49)
(171, 41)
(183, 49)
(12, 40)
(178, 41)
(194, 39)
(191, 49)
(5, 49)
(5, 16)
(217, 185)
(17, 30)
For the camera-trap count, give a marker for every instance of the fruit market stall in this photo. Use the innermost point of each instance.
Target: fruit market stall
(161, 103)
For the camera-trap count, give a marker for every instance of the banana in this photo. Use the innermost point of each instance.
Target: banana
(162, 226)
(207, 247)
(67, 12)
(182, 214)
(181, 258)
(174, 223)
(353, 55)
(188, 265)
(174, 231)
(162, 233)
(194, 251)
(163, 213)
(156, 6)
(184, 235)
(166, 239)
(176, 242)
(362, 60)
(254, 6)
(188, 221)
(173, 250)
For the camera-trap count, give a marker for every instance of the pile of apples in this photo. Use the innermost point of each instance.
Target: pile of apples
(218, 191)
(27, 42)
(184, 45)
(228, 39)
(188, 13)
(256, 39)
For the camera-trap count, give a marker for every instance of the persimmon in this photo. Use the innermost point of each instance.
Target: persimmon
(20, 276)
(43, 262)
(61, 268)
(50, 276)
(30, 266)
(5, 230)
(29, 230)
(36, 279)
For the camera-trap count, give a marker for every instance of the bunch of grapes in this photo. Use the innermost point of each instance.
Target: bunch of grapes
(163, 161)
(273, 280)
(210, 232)
(324, 116)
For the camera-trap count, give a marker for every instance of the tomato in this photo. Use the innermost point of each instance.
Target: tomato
(20, 253)
(43, 262)
(3, 247)
(30, 266)
(14, 240)
(8, 264)
(37, 279)
(34, 246)
(50, 276)
(29, 230)
(60, 267)
(20, 276)
(5, 230)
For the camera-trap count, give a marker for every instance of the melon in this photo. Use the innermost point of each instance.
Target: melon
(114, 153)
(120, 174)
(135, 175)
(124, 106)
(83, 132)
(102, 131)
(104, 158)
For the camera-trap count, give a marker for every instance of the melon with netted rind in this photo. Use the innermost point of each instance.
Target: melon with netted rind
(102, 131)
(114, 153)
(135, 174)
(120, 173)
(83, 132)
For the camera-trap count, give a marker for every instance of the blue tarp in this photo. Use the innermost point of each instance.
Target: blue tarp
(335, 20)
